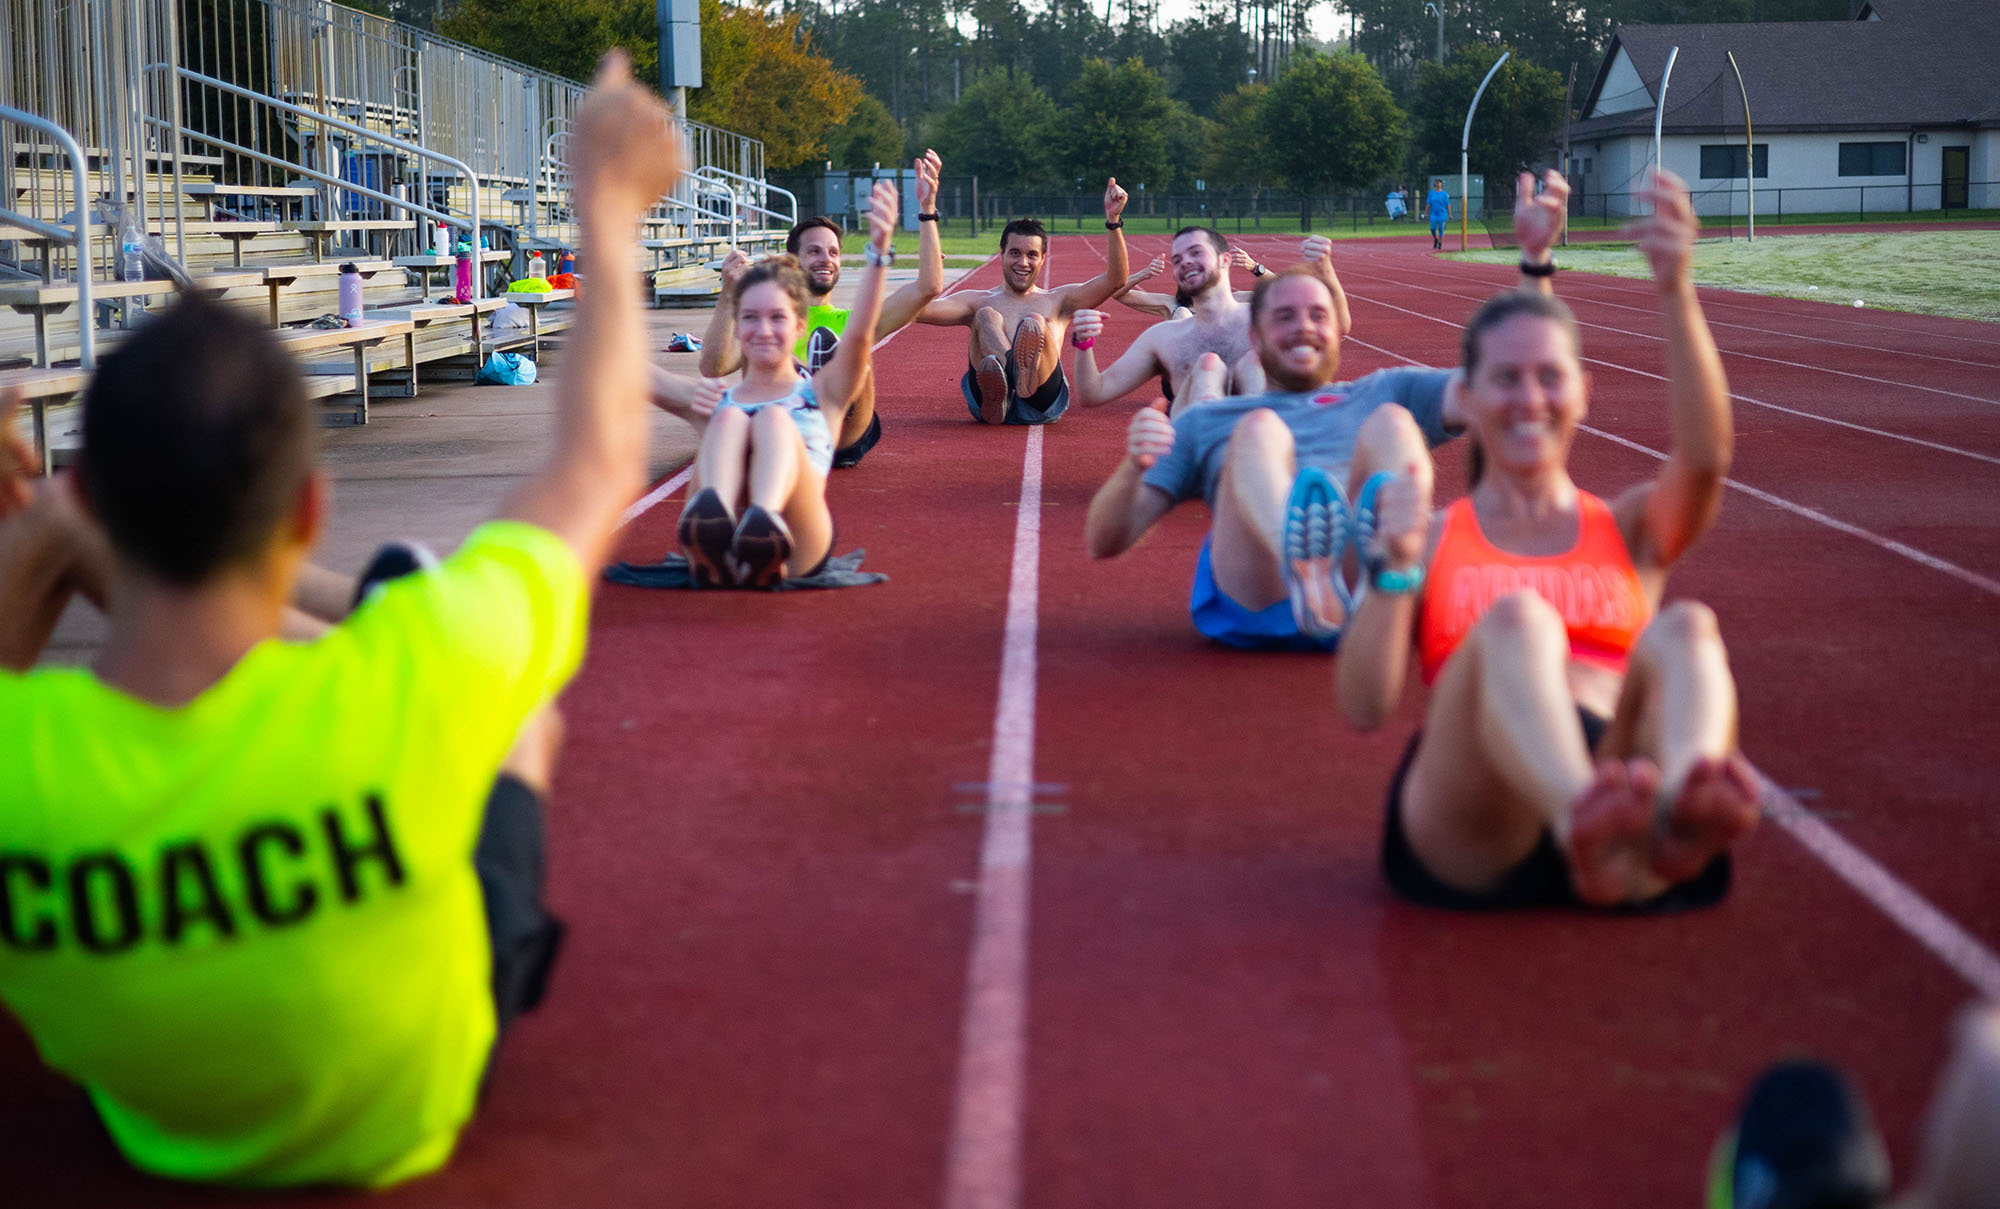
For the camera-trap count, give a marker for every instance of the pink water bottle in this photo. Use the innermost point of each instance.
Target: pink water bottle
(461, 273)
(350, 294)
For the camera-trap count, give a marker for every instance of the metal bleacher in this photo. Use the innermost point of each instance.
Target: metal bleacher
(262, 144)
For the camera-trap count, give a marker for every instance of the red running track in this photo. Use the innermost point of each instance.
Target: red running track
(762, 839)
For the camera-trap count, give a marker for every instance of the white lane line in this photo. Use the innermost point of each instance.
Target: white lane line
(644, 504)
(1932, 928)
(983, 1162)
(1576, 282)
(1820, 369)
(1790, 411)
(1906, 908)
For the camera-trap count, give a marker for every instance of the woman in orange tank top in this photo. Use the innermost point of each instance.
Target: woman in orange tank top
(1580, 742)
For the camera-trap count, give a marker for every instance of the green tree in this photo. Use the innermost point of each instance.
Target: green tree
(566, 37)
(1519, 115)
(1187, 136)
(1210, 54)
(760, 76)
(1330, 123)
(998, 132)
(870, 136)
(1114, 123)
(1235, 155)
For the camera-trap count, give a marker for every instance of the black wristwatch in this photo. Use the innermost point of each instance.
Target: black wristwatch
(1115, 226)
(1539, 270)
(932, 217)
(1258, 270)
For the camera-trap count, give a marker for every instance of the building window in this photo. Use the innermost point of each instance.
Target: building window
(1871, 159)
(1724, 161)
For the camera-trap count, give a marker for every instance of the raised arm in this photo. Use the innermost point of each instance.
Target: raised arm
(1538, 221)
(625, 151)
(955, 309)
(1375, 643)
(1317, 254)
(836, 381)
(692, 399)
(1126, 506)
(1143, 301)
(720, 354)
(1128, 373)
(1677, 507)
(902, 306)
(1101, 287)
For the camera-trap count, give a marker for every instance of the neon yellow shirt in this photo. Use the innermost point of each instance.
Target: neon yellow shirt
(250, 926)
(813, 349)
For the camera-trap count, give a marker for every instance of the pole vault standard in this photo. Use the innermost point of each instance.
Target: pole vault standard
(1749, 147)
(1465, 154)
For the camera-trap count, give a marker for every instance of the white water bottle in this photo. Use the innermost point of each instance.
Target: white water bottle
(441, 240)
(131, 257)
(537, 267)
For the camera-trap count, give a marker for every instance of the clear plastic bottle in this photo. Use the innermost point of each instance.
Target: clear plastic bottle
(537, 267)
(131, 257)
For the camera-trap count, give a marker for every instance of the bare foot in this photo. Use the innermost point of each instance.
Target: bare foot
(1716, 808)
(1609, 825)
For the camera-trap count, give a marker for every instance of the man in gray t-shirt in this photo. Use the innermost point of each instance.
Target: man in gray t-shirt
(1244, 455)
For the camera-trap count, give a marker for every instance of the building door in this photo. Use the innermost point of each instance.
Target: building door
(1956, 165)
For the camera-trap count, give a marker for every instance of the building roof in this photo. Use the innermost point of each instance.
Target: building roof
(1903, 64)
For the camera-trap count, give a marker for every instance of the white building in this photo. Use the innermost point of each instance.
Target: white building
(1897, 110)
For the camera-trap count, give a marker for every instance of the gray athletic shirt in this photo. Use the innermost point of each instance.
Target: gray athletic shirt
(1324, 423)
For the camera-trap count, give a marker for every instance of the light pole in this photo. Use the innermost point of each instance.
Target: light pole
(1432, 8)
(1465, 155)
(1749, 147)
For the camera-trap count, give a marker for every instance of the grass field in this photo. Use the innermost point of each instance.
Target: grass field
(1936, 273)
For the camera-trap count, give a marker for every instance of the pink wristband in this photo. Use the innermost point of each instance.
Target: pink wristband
(1081, 345)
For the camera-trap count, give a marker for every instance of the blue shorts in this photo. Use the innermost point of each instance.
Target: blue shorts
(1222, 619)
(1046, 406)
(1437, 226)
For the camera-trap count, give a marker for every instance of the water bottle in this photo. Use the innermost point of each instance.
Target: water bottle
(461, 273)
(537, 267)
(441, 241)
(130, 255)
(565, 262)
(350, 294)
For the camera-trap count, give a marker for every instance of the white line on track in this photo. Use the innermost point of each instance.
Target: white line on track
(983, 1162)
(1818, 369)
(1790, 411)
(644, 504)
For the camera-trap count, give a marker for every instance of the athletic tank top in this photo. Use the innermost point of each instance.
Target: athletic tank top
(824, 327)
(803, 405)
(1593, 585)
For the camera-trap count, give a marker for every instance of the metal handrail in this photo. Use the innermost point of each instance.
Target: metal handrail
(80, 235)
(710, 170)
(471, 223)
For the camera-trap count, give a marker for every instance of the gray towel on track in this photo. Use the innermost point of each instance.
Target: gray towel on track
(840, 571)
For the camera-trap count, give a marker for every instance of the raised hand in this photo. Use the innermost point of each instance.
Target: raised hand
(1666, 236)
(1154, 267)
(18, 463)
(1085, 326)
(625, 149)
(734, 266)
(1315, 248)
(1114, 200)
(1539, 217)
(883, 209)
(928, 167)
(1150, 436)
(1242, 260)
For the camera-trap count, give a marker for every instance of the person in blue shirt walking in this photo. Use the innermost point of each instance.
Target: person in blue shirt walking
(1439, 205)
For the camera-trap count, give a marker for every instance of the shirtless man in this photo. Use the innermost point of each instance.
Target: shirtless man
(1014, 371)
(1205, 355)
(816, 244)
(1176, 305)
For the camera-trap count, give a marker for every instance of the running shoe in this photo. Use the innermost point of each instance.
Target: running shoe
(1315, 534)
(991, 381)
(706, 531)
(763, 543)
(1028, 345)
(1805, 1141)
(393, 560)
(1369, 558)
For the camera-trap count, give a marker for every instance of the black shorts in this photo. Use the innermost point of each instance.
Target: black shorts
(510, 862)
(849, 456)
(1539, 879)
(1046, 406)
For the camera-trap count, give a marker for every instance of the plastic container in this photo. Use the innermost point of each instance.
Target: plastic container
(350, 294)
(441, 240)
(565, 262)
(537, 267)
(131, 258)
(461, 273)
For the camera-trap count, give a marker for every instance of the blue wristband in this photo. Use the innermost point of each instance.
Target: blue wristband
(1394, 583)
